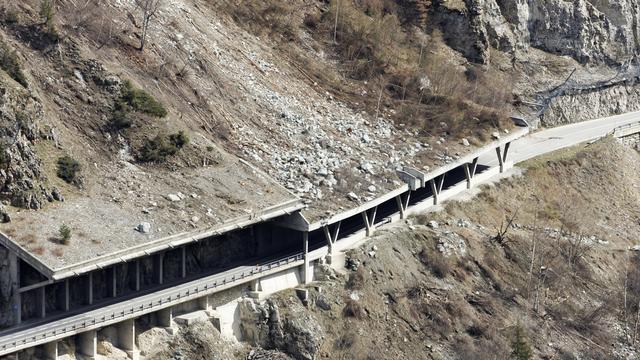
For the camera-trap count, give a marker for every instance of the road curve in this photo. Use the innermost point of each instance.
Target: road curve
(549, 140)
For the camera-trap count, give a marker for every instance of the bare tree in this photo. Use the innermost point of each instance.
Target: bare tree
(149, 9)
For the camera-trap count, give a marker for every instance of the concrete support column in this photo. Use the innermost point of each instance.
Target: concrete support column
(14, 273)
(137, 275)
(165, 317)
(470, 172)
(51, 350)
(204, 303)
(113, 286)
(159, 268)
(500, 158)
(42, 301)
(436, 187)
(87, 344)
(369, 218)
(305, 248)
(184, 261)
(403, 203)
(127, 337)
(90, 289)
(254, 285)
(331, 236)
(67, 296)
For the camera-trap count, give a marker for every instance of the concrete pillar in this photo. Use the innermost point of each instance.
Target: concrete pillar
(127, 337)
(369, 218)
(436, 187)
(67, 296)
(403, 204)
(90, 289)
(113, 286)
(158, 267)
(165, 317)
(51, 350)
(42, 301)
(204, 303)
(137, 275)
(500, 158)
(305, 248)
(184, 261)
(14, 273)
(87, 344)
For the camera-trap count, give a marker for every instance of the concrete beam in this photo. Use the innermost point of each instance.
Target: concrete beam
(87, 344)
(417, 174)
(51, 350)
(412, 181)
(127, 337)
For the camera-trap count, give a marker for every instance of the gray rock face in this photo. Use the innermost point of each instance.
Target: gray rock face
(21, 176)
(591, 105)
(297, 333)
(588, 30)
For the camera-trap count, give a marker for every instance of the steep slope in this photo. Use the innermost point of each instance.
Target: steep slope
(445, 287)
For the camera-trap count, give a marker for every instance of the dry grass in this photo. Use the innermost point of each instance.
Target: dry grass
(439, 265)
(408, 76)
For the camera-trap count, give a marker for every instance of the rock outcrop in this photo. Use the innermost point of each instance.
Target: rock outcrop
(296, 333)
(587, 30)
(21, 176)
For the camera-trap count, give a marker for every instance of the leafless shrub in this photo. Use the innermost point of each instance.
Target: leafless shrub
(439, 265)
(353, 309)
(149, 9)
(502, 232)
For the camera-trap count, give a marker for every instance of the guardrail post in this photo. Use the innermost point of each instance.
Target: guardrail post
(88, 344)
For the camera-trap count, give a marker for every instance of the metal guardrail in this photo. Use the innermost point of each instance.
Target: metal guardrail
(626, 130)
(9, 346)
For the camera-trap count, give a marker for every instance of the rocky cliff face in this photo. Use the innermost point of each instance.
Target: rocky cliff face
(21, 176)
(587, 30)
